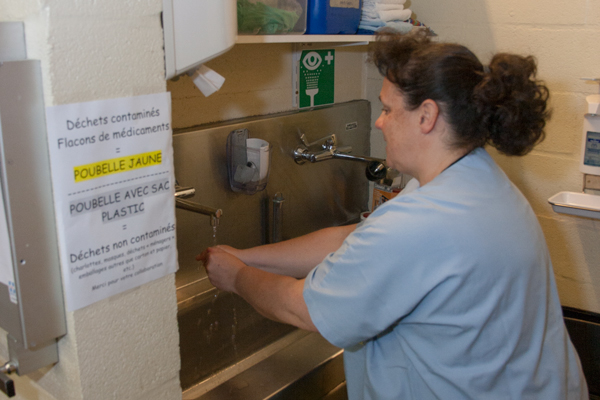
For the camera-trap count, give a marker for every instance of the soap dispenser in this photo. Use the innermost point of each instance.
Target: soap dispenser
(248, 162)
(590, 147)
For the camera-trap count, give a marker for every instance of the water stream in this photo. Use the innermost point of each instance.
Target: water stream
(214, 236)
(215, 317)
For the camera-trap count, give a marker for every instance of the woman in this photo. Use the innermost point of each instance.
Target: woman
(446, 291)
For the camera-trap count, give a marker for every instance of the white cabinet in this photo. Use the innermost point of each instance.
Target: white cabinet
(197, 31)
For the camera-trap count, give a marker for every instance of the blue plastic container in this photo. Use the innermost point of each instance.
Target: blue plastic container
(332, 17)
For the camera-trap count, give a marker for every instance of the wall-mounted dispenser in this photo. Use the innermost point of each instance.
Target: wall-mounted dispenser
(197, 31)
(248, 161)
(590, 146)
(584, 204)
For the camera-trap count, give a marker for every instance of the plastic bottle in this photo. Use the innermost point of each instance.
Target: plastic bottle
(333, 17)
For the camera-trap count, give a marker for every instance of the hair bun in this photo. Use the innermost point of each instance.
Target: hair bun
(513, 104)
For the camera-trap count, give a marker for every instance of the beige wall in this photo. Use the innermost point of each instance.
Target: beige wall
(564, 39)
(258, 81)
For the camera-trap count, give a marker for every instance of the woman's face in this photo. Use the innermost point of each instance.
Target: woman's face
(400, 128)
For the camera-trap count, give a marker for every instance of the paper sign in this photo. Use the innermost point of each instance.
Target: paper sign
(316, 78)
(112, 173)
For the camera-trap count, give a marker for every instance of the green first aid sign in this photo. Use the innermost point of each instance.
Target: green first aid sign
(316, 78)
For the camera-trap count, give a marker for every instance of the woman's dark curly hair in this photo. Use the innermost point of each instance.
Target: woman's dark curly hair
(505, 106)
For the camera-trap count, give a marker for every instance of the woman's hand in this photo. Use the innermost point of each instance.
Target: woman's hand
(274, 296)
(221, 267)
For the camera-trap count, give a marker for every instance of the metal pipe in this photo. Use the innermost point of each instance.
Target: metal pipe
(356, 158)
(184, 192)
(213, 213)
(277, 217)
(8, 368)
(301, 155)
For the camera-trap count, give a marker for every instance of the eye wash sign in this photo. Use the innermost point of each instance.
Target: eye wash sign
(316, 78)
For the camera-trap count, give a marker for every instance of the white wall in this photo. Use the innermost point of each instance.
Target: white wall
(127, 346)
(564, 39)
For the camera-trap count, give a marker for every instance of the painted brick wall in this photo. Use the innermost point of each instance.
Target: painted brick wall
(564, 39)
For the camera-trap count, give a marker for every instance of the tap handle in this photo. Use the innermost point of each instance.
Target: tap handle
(344, 149)
(327, 141)
(376, 171)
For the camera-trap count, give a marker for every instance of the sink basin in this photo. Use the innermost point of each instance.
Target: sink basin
(218, 330)
(306, 367)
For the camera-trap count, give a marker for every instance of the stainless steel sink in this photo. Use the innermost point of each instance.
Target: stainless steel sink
(222, 339)
(220, 331)
(305, 367)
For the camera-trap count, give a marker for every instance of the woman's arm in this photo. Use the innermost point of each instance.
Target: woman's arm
(274, 296)
(294, 257)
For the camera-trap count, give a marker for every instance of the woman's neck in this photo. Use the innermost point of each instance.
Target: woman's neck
(438, 162)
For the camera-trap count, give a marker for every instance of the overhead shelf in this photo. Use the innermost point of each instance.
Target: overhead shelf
(245, 39)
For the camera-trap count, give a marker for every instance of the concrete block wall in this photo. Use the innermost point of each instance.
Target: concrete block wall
(258, 81)
(564, 39)
(127, 346)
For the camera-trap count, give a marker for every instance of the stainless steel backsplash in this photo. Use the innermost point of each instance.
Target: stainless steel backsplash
(327, 193)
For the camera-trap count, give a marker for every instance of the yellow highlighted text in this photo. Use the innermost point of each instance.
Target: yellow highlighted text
(116, 165)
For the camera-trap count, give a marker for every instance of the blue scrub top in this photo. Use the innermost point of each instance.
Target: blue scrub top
(447, 292)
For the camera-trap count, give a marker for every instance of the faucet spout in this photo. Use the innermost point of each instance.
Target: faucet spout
(213, 213)
(346, 156)
(302, 155)
(376, 168)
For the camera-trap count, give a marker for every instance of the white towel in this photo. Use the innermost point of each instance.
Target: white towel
(400, 26)
(395, 15)
(401, 2)
(207, 80)
(388, 7)
(372, 22)
(369, 13)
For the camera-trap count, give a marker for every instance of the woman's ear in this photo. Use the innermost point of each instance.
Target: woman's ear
(428, 115)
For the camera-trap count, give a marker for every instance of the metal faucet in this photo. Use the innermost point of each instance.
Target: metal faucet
(182, 193)
(376, 169)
